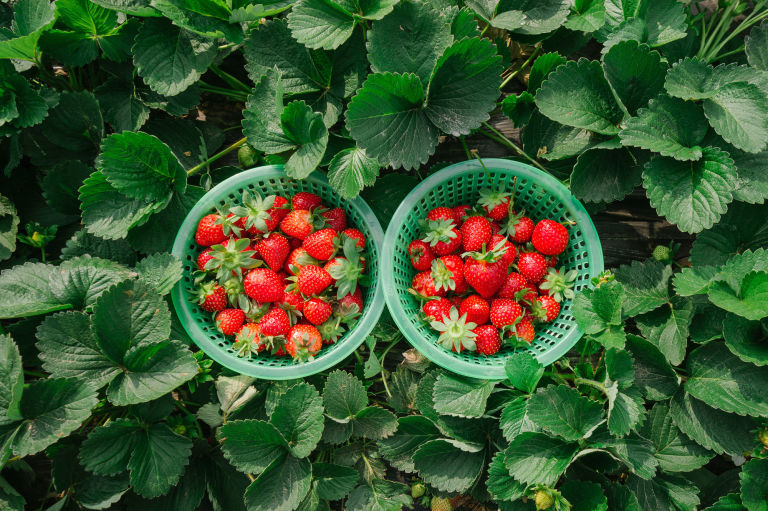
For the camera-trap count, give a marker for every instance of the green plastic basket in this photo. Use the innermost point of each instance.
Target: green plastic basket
(268, 180)
(542, 196)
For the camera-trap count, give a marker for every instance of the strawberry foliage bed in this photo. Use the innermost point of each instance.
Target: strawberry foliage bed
(118, 115)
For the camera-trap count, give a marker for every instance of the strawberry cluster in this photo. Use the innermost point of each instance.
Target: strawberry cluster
(281, 275)
(486, 274)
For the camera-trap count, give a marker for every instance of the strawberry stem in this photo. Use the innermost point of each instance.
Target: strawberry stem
(197, 168)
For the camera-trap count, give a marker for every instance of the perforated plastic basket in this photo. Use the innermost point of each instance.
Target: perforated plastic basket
(198, 323)
(541, 196)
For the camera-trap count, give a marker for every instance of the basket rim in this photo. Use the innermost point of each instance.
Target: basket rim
(555, 188)
(350, 341)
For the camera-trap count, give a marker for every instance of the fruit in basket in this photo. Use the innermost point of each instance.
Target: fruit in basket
(281, 275)
(485, 274)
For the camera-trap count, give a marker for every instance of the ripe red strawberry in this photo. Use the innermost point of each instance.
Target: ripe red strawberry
(442, 236)
(485, 272)
(275, 323)
(229, 321)
(448, 274)
(511, 252)
(421, 255)
(513, 284)
(487, 340)
(203, 258)
(303, 342)
(322, 244)
(317, 310)
(519, 228)
(336, 219)
(476, 309)
(356, 235)
(550, 237)
(440, 213)
(495, 203)
(505, 312)
(297, 259)
(475, 232)
(248, 341)
(523, 331)
(257, 214)
(212, 297)
(292, 301)
(209, 232)
(279, 210)
(546, 309)
(459, 212)
(436, 310)
(424, 285)
(355, 298)
(312, 280)
(264, 285)
(532, 266)
(305, 200)
(274, 250)
(298, 223)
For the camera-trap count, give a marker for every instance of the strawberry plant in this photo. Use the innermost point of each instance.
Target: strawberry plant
(118, 115)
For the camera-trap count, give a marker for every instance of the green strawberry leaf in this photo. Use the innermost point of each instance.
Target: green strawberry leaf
(523, 371)
(665, 492)
(108, 448)
(307, 132)
(619, 366)
(535, 458)
(461, 396)
(320, 23)
(645, 284)
(299, 418)
(526, 17)
(541, 67)
(169, 58)
(625, 410)
(692, 195)
(150, 371)
(586, 16)
(635, 73)
(463, 23)
(711, 428)
(515, 420)
(24, 291)
(605, 175)
(70, 333)
(464, 86)
(598, 313)
(51, 409)
(585, 496)
(501, 485)
(675, 451)
(754, 484)
(208, 18)
(161, 271)
(11, 382)
(653, 375)
(561, 411)
(122, 109)
(756, 46)
(386, 118)
(412, 432)
(333, 482)
(251, 445)
(730, 502)
(668, 328)
(130, 314)
(753, 188)
(351, 170)
(743, 227)
(577, 94)
(261, 117)
(746, 339)
(689, 79)
(75, 123)
(725, 382)
(374, 422)
(544, 138)
(30, 19)
(736, 268)
(519, 108)
(694, 280)
(653, 22)
(81, 280)
(447, 467)
(281, 487)
(668, 126)
(409, 40)
(751, 299)
(271, 45)
(634, 451)
(380, 495)
(343, 396)
(739, 113)
(91, 26)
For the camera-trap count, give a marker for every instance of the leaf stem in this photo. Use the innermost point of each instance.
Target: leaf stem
(230, 93)
(522, 66)
(197, 168)
(500, 138)
(466, 149)
(592, 383)
(231, 80)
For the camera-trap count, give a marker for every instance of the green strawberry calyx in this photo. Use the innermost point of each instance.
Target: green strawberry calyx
(455, 332)
(559, 283)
